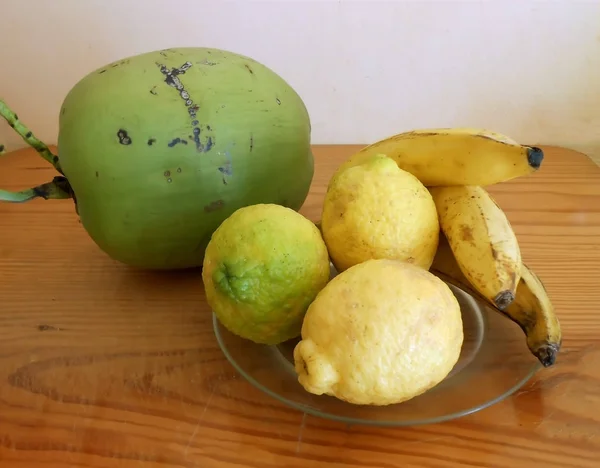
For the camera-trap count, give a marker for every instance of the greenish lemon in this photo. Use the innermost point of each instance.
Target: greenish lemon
(263, 267)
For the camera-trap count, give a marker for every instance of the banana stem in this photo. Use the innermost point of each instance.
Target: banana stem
(27, 135)
(59, 188)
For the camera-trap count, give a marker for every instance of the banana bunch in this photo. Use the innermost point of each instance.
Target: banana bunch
(478, 249)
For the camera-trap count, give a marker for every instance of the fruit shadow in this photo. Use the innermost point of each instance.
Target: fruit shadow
(160, 291)
(159, 280)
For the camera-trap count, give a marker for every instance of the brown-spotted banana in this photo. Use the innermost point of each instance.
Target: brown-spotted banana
(455, 156)
(532, 308)
(482, 240)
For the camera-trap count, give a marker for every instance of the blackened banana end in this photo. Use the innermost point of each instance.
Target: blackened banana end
(535, 156)
(547, 354)
(504, 299)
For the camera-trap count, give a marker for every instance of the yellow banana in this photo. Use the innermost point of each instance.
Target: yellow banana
(532, 308)
(455, 156)
(482, 240)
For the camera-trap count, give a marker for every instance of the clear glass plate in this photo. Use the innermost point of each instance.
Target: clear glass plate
(493, 364)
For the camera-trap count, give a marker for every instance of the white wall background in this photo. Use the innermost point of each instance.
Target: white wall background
(366, 69)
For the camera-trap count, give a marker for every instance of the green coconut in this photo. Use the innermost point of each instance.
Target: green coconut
(159, 148)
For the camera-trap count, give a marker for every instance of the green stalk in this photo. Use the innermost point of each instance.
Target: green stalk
(59, 188)
(28, 136)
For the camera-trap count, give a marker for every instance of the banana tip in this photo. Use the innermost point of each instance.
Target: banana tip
(547, 354)
(535, 156)
(504, 299)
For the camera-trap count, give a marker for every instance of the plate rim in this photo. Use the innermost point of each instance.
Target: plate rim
(536, 366)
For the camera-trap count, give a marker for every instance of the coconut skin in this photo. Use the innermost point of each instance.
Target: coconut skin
(160, 148)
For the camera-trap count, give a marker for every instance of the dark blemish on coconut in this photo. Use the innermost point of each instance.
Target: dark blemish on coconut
(226, 169)
(101, 71)
(44, 327)
(172, 79)
(179, 170)
(163, 53)
(97, 174)
(202, 148)
(206, 62)
(176, 141)
(167, 173)
(153, 91)
(208, 128)
(151, 141)
(249, 69)
(278, 101)
(251, 142)
(193, 109)
(63, 110)
(197, 138)
(169, 180)
(122, 62)
(124, 138)
(213, 206)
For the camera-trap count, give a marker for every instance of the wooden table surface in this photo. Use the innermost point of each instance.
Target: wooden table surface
(103, 366)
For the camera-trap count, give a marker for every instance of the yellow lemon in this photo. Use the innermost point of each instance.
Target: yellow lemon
(377, 210)
(263, 266)
(381, 332)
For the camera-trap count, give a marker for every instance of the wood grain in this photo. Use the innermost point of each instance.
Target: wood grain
(105, 366)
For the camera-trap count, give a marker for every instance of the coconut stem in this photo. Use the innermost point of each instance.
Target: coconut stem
(59, 188)
(27, 135)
